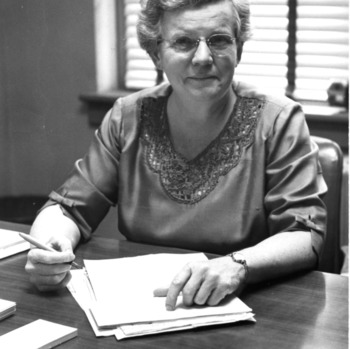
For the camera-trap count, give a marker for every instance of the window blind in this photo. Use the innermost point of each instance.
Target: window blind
(264, 60)
(140, 71)
(322, 46)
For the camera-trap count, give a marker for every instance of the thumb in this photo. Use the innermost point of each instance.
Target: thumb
(62, 244)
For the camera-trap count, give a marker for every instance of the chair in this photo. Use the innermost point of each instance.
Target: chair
(331, 159)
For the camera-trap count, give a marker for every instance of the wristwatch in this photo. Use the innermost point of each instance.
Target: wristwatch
(238, 257)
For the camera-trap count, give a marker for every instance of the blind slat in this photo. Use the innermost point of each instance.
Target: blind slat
(338, 25)
(322, 11)
(322, 49)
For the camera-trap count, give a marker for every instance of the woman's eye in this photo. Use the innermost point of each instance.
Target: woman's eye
(184, 43)
(220, 40)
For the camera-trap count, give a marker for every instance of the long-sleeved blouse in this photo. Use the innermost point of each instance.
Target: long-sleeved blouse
(258, 178)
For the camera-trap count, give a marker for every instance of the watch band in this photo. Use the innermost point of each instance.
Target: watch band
(239, 258)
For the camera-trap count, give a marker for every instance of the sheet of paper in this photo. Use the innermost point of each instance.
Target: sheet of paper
(39, 334)
(152, 309)
(126, 331)
(134, 277)
(123, 293)
(7, 308)
(126, 295)
(11, 243)
(80, 290)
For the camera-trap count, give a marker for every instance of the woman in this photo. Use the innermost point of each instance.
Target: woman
(200, 163)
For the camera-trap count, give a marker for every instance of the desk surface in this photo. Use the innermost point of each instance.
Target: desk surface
(309, 310)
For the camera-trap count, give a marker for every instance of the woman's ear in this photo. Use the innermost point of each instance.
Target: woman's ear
(156, 60)
(239, 52)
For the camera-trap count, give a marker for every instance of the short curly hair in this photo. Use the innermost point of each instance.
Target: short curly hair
(148, 25)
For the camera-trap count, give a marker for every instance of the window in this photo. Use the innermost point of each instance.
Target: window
(298, 47)
(322, 46)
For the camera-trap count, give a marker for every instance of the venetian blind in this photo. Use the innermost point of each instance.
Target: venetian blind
(264, 60)
(322, 46)
(140, 71)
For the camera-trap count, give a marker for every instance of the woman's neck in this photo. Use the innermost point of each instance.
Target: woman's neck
(201, 112)
(194, 126)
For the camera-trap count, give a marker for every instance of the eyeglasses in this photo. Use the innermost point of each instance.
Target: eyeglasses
(219, 44)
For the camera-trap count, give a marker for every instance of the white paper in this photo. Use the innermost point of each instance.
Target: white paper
(39, 334)
(11, 243)
(126, 331)
(6, 308)
(150, 309)
(123, 303)
(134, 277)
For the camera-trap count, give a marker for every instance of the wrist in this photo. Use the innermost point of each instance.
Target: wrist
(239, 258)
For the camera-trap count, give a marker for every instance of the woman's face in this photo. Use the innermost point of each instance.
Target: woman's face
(198, 74)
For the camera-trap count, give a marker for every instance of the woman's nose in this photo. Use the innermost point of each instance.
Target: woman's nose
(202, 55)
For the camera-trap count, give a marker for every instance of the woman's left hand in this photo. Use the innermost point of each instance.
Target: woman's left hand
(205, 282)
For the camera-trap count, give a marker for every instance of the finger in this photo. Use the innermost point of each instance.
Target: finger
(47, 269)
(160, 292)
(217, 296)
(192, 287)
(37, 255)
(176, 287)
(50, 283)
(204, 292)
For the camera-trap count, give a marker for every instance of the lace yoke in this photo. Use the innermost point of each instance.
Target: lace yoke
(189, 181)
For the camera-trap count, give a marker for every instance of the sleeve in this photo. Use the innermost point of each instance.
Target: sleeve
(92, 186)
(294, 181)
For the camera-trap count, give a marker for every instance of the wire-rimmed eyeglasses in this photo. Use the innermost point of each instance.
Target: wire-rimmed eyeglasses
(219, 44)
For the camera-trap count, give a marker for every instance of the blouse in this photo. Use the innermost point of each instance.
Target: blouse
(259, 177)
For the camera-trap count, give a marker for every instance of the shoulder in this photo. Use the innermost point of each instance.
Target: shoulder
(133, 99)
(277, 110)
(273, 101)
(122, 121)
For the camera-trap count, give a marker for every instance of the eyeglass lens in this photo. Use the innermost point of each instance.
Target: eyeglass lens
(218, 43)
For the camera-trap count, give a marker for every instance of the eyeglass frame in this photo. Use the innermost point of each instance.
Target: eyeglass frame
(195, 44)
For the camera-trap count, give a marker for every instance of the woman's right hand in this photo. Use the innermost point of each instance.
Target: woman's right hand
(48, 270)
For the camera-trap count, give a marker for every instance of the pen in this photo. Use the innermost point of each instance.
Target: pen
(42, 246)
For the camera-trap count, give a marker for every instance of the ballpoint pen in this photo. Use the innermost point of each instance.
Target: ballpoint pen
(42, 246)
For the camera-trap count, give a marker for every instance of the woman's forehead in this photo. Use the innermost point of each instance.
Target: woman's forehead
(211, 17)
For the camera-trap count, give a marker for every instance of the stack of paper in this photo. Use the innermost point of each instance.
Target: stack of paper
(7, 308)
(39, 334)
(11, 243)
(121, 300)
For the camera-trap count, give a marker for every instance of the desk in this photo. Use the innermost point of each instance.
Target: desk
(308, 310)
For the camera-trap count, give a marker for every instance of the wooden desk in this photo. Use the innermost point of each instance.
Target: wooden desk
(309, 310)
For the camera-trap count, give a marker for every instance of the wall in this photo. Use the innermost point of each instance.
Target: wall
(47, 59)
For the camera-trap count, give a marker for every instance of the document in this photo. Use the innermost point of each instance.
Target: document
(7, 308)
(11, 243)
(39, 334)
(123, 303)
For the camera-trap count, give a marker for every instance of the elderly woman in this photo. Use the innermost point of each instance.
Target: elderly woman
(201, 163)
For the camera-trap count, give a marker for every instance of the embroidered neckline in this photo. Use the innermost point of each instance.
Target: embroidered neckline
(190, 181)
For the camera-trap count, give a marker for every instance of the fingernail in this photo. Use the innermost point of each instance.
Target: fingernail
(169, 307)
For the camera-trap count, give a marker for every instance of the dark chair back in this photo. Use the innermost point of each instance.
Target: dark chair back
(331, 159)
